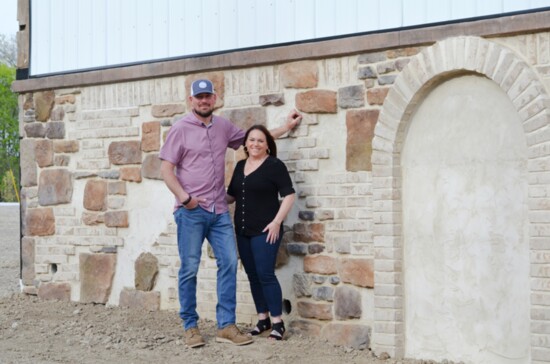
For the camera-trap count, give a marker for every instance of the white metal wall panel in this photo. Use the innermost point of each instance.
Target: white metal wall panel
(68, 35)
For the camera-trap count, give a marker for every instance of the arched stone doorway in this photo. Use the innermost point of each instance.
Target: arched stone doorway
(395, 302)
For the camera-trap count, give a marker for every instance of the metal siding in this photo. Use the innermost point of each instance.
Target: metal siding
(75, 34)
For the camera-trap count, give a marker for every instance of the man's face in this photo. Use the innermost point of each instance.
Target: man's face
(203, 104)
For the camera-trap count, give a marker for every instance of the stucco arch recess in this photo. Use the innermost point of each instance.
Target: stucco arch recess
(435, 64)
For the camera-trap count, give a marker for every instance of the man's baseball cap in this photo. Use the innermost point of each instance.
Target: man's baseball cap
(201, 87)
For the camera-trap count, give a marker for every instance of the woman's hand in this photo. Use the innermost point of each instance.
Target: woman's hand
(273, 229)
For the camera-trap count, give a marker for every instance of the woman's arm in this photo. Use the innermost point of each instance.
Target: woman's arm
(229, 199)
(274, 227)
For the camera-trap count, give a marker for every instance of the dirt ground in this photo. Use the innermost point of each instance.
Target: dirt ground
(36, 331)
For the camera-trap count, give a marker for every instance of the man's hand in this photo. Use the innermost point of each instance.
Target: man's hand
(293, 119)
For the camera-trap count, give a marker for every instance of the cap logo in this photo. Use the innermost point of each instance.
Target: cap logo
(202, 84)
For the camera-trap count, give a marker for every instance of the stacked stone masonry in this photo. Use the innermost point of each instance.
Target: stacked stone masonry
(92, 195)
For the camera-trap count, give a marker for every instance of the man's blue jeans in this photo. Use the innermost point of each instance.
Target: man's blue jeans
(193, 227)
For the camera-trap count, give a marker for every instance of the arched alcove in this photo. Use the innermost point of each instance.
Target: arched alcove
(522, 91)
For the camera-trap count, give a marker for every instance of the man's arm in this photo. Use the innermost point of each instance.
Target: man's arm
(171, 181)
(292, 120)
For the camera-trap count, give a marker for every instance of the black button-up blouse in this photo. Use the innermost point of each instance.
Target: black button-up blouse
(257, 195)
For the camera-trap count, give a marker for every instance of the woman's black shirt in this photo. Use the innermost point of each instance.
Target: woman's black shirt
(256, 195)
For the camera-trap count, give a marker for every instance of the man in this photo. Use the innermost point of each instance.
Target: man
(193, 168)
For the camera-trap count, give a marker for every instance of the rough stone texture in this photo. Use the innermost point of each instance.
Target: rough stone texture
(371, 57)
(301, 284)
(317, 101)
(245, 118)
(150, 137)
(282, 254)
(55, 130)
(116, 219)
(96, 277)
(347, 303)
(61, 160)
(117, 188)
(65, 99)
(366, 73)
(95, 195)
(55, 291)
(320, 264)
(305, 327)
(147, 269)
(43, 104)
(360, 126)
(27, 260)
(309, 232)
(351, 96)
(297, 248)
(323, 293)
(319, 311)
(168, 110)
(348, 335)
(303, 74)
(272, 99)
(151, 167)
(131, 174)
(43, 151)
(40, 222)
(35, 130)
(57, 114)
(127, 152)
(306, 215)
(92, 218)
(65, 146)
(357, 271)
(376, 96)
(218, 80)
(135, 299)
(55, 187)
(315, 248)
(29, 172)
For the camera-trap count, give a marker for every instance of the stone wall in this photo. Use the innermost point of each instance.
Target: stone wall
(98, 218)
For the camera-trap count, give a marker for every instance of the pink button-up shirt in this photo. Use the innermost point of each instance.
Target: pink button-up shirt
(198, 152)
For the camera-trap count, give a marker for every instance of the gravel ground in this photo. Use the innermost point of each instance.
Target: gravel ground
(36, 331)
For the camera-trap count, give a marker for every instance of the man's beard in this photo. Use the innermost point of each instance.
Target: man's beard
(204, 114)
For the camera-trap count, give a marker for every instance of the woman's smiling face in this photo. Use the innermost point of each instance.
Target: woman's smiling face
(256, 144)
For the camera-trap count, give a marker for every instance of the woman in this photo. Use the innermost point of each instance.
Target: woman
(256, 185)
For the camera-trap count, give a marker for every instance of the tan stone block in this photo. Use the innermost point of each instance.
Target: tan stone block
(151, 167)
(146, 272)
(27, 260)
(116, 219)
(376, 96)
(167, 110)
(117, 188)
(55, 291)
(304, 74)
(150, 138)
(272, 99)
(246, 117)
(314, 232)
(29, 173)
(65, 146)
(43, 104)
(357, 271)
(360, 127)
(96, 277)
(317, 101)
(127, 152)
(43, 151)
(130, 174)
(320, 264)
(70, 99)
(91, 218)
(319, 311)
(135, 299)
(305, 327)
(95, 195)
(40, 222)
(348, 335)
